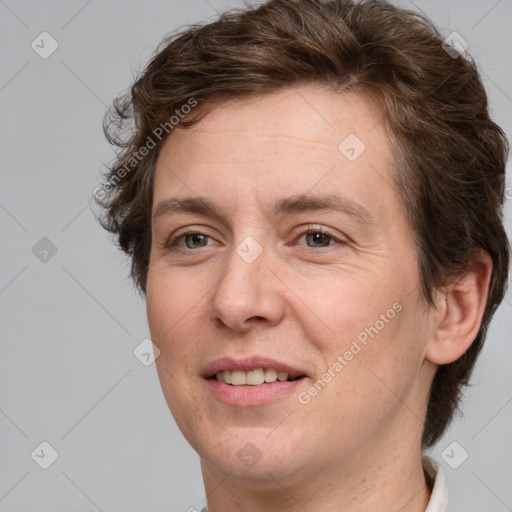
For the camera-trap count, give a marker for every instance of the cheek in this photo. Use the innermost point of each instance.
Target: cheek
(170, 298)
(364, 331)
(171, 310)
(172, 307)
(348, 308)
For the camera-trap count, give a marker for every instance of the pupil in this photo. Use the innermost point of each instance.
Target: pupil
(319, 238)
(195, 240)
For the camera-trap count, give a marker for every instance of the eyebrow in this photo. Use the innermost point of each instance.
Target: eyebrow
(286, 205)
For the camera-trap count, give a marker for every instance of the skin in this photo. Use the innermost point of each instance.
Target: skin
(302, 302)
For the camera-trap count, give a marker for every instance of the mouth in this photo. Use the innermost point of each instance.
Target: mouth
(251, 381)
(251, 371)
(256, 377)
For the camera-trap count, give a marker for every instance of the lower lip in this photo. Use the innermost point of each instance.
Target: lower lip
(244, 396)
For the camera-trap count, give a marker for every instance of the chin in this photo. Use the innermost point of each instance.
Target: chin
(252, 454)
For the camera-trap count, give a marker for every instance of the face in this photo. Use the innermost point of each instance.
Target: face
(280, 249)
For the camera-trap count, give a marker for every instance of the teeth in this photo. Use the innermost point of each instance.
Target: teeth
(254, 377)
(238, 378)
(270, 375)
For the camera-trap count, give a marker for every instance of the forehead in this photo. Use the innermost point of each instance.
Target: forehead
(308, 115)
(291, 140)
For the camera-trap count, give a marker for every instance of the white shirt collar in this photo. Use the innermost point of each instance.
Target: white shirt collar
(439, 496)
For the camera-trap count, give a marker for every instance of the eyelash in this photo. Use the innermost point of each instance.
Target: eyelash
(173, 241)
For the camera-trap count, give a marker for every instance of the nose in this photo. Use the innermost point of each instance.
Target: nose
(247, 294)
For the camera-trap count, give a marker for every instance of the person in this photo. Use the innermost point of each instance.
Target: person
(311, 196)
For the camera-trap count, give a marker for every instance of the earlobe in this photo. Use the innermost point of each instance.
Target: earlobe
(460, 310)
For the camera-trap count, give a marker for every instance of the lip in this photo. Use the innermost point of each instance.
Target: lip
(249, 396)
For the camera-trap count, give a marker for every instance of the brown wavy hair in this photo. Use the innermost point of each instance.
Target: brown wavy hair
(450, 156)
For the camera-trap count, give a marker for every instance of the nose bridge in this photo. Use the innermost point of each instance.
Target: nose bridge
(246, 291)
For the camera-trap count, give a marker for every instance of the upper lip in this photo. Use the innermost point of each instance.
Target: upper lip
(249, 363)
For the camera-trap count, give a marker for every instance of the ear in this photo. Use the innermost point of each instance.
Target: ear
(460, 310)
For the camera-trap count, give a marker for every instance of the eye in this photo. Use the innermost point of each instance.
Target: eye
(314, 236)
(189, 240)
(318, 237)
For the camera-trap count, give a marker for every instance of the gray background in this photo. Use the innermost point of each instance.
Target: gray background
(70, 324)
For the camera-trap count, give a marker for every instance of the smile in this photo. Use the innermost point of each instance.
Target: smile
(255, 377)
(251, 381)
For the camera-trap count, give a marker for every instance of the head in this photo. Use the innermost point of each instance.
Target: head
(256, 106)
